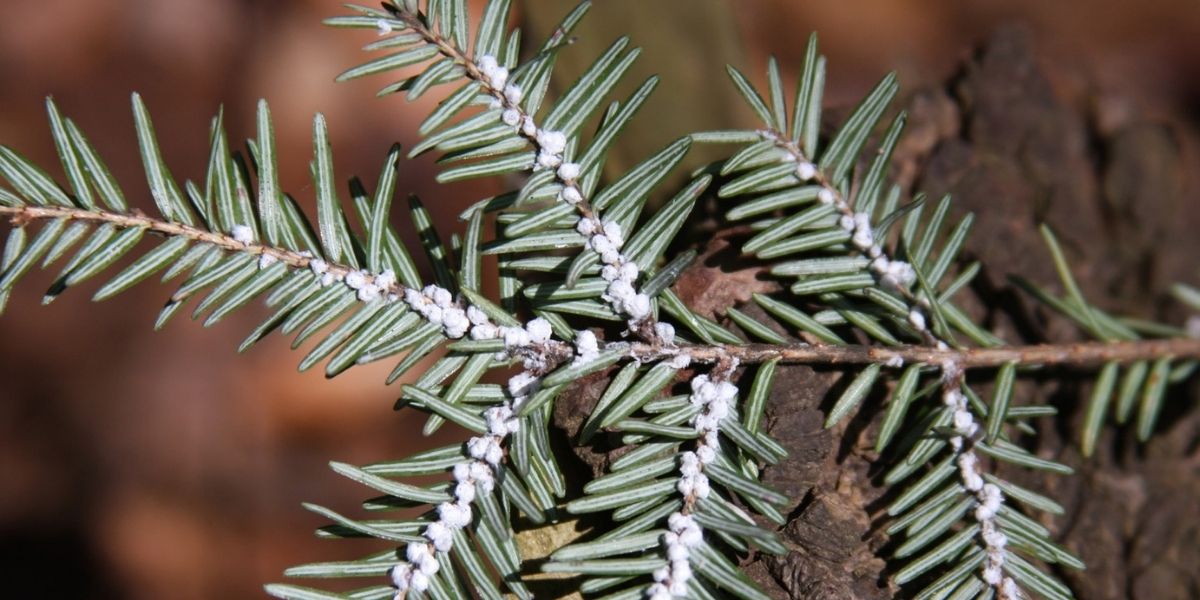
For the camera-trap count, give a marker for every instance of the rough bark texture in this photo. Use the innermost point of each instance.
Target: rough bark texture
(1017, 150)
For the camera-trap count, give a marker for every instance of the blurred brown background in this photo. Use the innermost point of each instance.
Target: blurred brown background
(142, 465)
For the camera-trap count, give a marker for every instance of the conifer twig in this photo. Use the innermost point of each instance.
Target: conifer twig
(1082, 354)
(21, 215)
(1073, 354)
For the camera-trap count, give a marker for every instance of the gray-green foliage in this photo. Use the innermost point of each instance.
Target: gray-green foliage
(235, 237)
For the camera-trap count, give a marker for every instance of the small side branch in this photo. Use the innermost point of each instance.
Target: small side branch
(1084, 354)
(20, 215)
(1080, 354)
